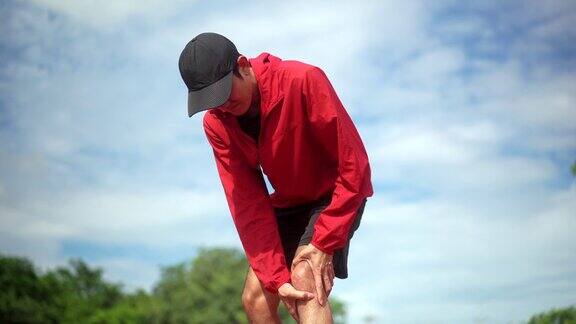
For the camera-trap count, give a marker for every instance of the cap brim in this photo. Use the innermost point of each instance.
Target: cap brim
(211, 96)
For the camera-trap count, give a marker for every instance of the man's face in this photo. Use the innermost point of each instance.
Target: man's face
(240, 97)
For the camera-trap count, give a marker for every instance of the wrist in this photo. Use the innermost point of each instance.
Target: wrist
(317, 246)
(283, 284)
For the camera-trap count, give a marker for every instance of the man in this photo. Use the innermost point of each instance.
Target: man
(283, 118)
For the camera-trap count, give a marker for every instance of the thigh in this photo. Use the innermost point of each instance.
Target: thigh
(340, 257)
(292, 223)
(254, 287)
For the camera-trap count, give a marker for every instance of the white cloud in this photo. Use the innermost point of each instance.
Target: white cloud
(132, 274)
(427, 68)
(449, 154)
(110, 15)
(470, 215)
(148, 220)
(169, 216)
(453, 263)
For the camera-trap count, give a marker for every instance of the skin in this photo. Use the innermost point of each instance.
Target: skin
(305, 277)
(312, 273)
(245, 95)
(262, 306)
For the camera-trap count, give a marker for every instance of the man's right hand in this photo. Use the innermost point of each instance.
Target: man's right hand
(288, 294)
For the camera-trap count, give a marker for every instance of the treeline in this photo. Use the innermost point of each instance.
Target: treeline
(555, 316)
(205, 290)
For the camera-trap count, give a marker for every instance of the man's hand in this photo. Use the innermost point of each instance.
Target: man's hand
(288, 294)
(322, 268)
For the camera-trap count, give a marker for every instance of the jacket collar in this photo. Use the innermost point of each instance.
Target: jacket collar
(264, 67)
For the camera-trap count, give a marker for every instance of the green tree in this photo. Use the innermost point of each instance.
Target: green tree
(73, 294)
(79, 292)
(209, 290)
(206, 290)
(573, 168)
(135, 308)
(23, 296)
(555, 316)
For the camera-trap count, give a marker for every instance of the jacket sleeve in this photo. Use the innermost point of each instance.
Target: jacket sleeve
(334, 130)
(252, 213)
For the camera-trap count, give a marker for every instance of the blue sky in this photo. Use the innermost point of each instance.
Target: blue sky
(467, 111)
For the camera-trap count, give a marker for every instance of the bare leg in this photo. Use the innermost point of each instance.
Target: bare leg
(260, 305)
(309, 311)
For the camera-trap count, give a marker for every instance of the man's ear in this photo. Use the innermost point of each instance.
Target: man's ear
(243, 63)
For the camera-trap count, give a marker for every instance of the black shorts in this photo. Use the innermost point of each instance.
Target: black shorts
(296, 227)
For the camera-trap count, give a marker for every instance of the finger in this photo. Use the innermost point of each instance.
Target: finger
(296, 260)
(326, 279)
(331, 279)
(299, 294)
(294, 263)
(332, 275)
(317, 272)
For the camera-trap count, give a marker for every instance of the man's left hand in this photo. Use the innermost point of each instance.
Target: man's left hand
(322, 268)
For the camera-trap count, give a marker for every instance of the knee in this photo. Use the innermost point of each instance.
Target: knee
(302, 277)
(253, 300)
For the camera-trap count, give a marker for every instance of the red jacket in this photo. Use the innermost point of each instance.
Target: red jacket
(308, 147)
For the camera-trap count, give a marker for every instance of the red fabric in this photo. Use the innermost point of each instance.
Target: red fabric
(308, 148)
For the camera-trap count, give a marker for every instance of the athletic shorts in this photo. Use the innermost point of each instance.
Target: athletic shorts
(296, 227)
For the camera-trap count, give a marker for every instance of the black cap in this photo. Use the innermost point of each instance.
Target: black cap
(206, 65)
